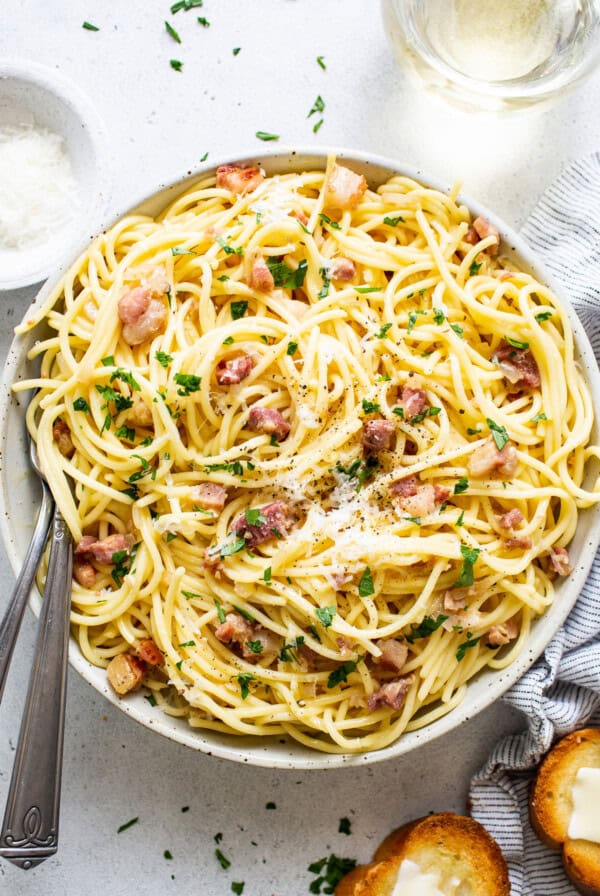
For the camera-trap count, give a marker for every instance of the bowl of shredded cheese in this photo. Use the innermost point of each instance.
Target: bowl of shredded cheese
(53, 171)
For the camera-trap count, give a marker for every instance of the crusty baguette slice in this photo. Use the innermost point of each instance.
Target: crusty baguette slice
(581, 859)
(550, 803)
(453, 846)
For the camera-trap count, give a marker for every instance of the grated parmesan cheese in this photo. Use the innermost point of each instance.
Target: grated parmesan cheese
(38, 191)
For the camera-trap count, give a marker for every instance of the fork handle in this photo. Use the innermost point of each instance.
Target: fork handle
(29, 832)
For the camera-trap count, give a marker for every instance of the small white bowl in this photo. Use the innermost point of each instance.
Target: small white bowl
(31, 92)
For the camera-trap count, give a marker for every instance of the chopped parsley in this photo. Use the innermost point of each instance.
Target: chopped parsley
(205, 24)
(285, 276)
(186, 5)
(190, 594)
(266, 136)
(325, 615)
(220, 610)
(237, 886)
(267, 575)
(255, 646)
(365, 585)
(243, 680)
(515, 343)
(287, 653)
(438, 316)
(473, 432)
(126, 376)
(325, 219)
(457, 329)
(128, 824)
(324, 291)
(538, 417)
(89, 27)
(543, 315)
(168, 854)
(244, 613)
(189, 383)
(366, 289)
(470, 555)
(321, 62)
(270, 806)
(370, 407)
(80, 404)
(109, 361)
(474, 267)
(176, 64)
(254, 517)
(235, 468)
(172, 33)
(461, 486)
(223, 862)
(499, 434)
(238, 309)
(345, 826)
(318, 106)
(292, 348)
(179, 250)
(461, 518)
(383, 331)
(318, 125)
(425, 628)
(151, 699)
(233, 547)
(413, 519)
(393, 222)
(462, 648)
(236, 50)
(125, 432)
(229, 341)
(227, 249)
(341, 673)
(330, 870)
(188, 644)
(163, 359)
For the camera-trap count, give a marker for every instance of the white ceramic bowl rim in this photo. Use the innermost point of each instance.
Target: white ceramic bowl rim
(269, 752)
(93, 210)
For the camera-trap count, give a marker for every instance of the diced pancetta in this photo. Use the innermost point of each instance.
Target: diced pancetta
(84, 573)
(502, 634)
(149, 653)
(234, 370)
(483, 229)
(276, 520)
(392, 694)
(413, 402)
(142, 316)
(456, 600)
(209, 496)
(344, 188)
(342, 269)
(62, 436)
(418, 500)
(441, 493)
(269, 421)
(260, 277)
(405, 487)
(103, 551)
(559, 561)
(125, 673)
(518, 366)
(239, 179)
(256, 641)
(487, 460)
(377, 435)
(235, 628)
(139, 414)
(393, 654)
(511, 519)
(518, 541)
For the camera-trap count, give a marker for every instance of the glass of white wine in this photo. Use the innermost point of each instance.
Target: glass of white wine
(495, 53)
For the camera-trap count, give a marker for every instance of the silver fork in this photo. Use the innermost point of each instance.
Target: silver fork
(29, 833)
(11, 622)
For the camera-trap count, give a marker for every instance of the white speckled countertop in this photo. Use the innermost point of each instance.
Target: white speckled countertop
(161, 122)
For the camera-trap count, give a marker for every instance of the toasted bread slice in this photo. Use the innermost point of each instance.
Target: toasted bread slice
(581, 859)
(550, 803)
(454, 847)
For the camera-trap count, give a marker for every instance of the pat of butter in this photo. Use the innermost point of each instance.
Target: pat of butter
(412, 882)
(585, 820)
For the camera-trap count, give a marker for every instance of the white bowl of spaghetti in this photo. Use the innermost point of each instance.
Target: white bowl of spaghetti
(333, 454)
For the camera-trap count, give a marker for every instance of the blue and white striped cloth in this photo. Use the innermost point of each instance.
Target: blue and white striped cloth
(561, 692)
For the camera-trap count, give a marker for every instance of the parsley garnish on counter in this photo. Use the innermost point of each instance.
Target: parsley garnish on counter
(266, 136)
(318, 106)
(344, 827)
(128, 824)
(223, 862)
(176, 64)
(172, 33)
(321, 62)
(89, 27)
(330, 870)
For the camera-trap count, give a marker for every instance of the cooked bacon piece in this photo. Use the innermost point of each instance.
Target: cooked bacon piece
(393, 654)
(404, 488)
(486, 460)
(559, 561)
(239, 179)
(502, 634)
(377, 435)
(342, 269)
(261, 277)
(455, 601)
(344, 189)
(413, 402)
(62, 436)
(270, 421)
(103, 551)
(392, 694)
(518, 366)
(518, 541)
(125, 673)
(235, 628)
(211, 562)
(209, 496)
(142, 316)
(234, 370)
(511, 519)
(149, 653)
(441, 493)
(277, 520)
(84, 573)
(300, 216)
(471, 236)
(483, 229)
(339, 579)
(139, 414)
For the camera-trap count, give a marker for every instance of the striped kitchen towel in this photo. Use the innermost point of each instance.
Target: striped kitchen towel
(561, 692)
